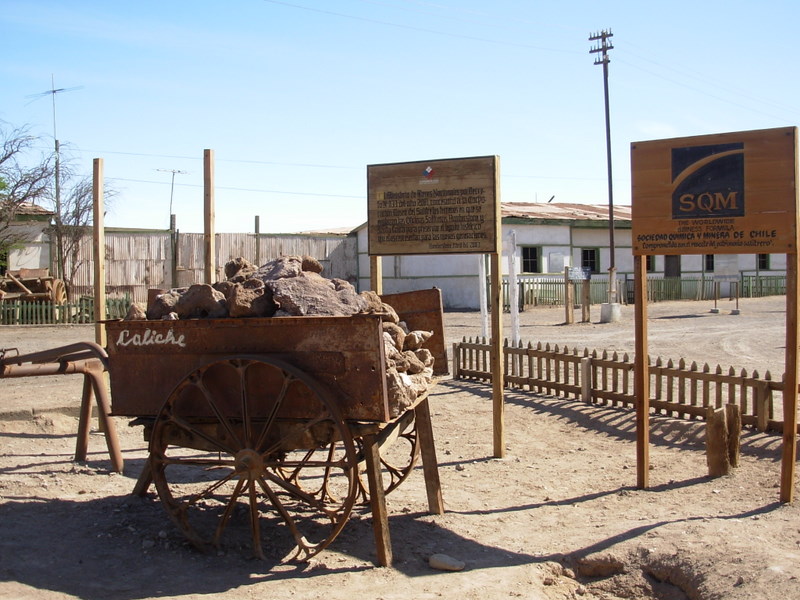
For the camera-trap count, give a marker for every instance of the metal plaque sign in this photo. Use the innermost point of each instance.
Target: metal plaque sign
(580, 273)
(434, 207)
(731, 193)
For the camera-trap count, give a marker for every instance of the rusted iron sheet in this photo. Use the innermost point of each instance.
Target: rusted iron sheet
(147, 359)
(422, 310)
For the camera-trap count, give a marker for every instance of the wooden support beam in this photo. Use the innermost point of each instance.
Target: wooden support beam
(642, 375)
(496, 357)
(99, 248)
(790, 382)
(377, 501)
(430, 465)
(376, 274)
(210, 275)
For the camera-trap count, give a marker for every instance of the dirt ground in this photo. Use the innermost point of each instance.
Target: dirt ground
(558, 517)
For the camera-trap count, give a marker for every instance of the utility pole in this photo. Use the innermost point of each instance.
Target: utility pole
(602, 47)
(172, 187)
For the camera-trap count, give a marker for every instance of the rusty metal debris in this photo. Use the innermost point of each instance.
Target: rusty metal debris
(32, 285)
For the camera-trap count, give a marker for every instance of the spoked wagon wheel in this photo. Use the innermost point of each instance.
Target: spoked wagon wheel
(58, 293)
(254, 437)
(399, 452)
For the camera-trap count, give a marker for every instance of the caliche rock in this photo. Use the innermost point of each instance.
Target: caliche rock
(415, 339)
(311, 294)
(401, 391)
(311, 264)
(396, 333)
(280, 268)
(201, 301)
(164, 304)
(443, 562)
(136, 312)
(239, 269)
(246, 301)
(424, 356)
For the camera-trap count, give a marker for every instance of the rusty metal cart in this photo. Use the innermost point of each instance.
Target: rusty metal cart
(262, 427)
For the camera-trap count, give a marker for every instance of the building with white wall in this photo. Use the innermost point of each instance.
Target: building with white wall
(30, 224)
(549, 237)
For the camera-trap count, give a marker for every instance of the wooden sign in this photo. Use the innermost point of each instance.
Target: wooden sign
(434, 207)
(730, 193)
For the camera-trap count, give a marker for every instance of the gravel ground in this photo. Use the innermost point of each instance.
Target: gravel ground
(558, 517)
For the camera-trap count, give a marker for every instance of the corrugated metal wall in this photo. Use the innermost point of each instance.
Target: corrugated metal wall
(138, 261)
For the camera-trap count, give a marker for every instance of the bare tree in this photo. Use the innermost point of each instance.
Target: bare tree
(72, 225)
(23, 179)
(73, 219)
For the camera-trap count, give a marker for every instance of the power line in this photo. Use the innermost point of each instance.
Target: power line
(726, 98)
(238, 189)
(227, 160)
(420, 29)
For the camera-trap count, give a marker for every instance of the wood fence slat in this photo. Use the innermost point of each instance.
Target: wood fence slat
(687, 392)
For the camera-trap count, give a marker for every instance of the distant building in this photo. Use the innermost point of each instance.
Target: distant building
(30, 224)
(549, 238)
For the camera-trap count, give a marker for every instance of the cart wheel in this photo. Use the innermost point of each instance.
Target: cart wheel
(254, 435)
(399, 451)
(58, 295)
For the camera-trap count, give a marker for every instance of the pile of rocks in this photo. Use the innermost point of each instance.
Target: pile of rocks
(294, 286)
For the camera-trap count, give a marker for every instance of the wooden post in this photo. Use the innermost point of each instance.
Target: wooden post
(641, 375)
(497, 357)
(586, 379)
(376, 274)
(99, 248)
(717, 443)
(790, 382)
(210, 275)
(377, 500)
(430, 465)
(84, 418)
(586, 301)
(258, 240)
(733, 418)
(456, 361)
(569, 300)
(761, 403)
(174, 244)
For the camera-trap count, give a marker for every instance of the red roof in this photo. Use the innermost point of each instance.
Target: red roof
(29, 208)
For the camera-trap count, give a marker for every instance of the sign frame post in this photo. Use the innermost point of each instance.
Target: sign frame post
(443, 206)
(728, 193)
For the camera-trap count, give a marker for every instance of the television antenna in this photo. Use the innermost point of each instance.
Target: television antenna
(52, 92)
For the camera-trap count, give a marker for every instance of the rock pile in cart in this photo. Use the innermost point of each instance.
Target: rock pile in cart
(293, 286)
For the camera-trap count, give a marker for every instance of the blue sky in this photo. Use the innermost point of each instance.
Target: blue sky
(296, 98)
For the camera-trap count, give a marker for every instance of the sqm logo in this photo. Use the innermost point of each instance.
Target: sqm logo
(708, 181)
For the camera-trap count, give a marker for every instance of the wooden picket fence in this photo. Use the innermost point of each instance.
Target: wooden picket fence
(45, 313)
(676, 389)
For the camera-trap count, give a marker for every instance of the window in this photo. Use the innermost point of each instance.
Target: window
(650, 263)
(709, 262)
(590, 258)
(763, 262)
(531, 259)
